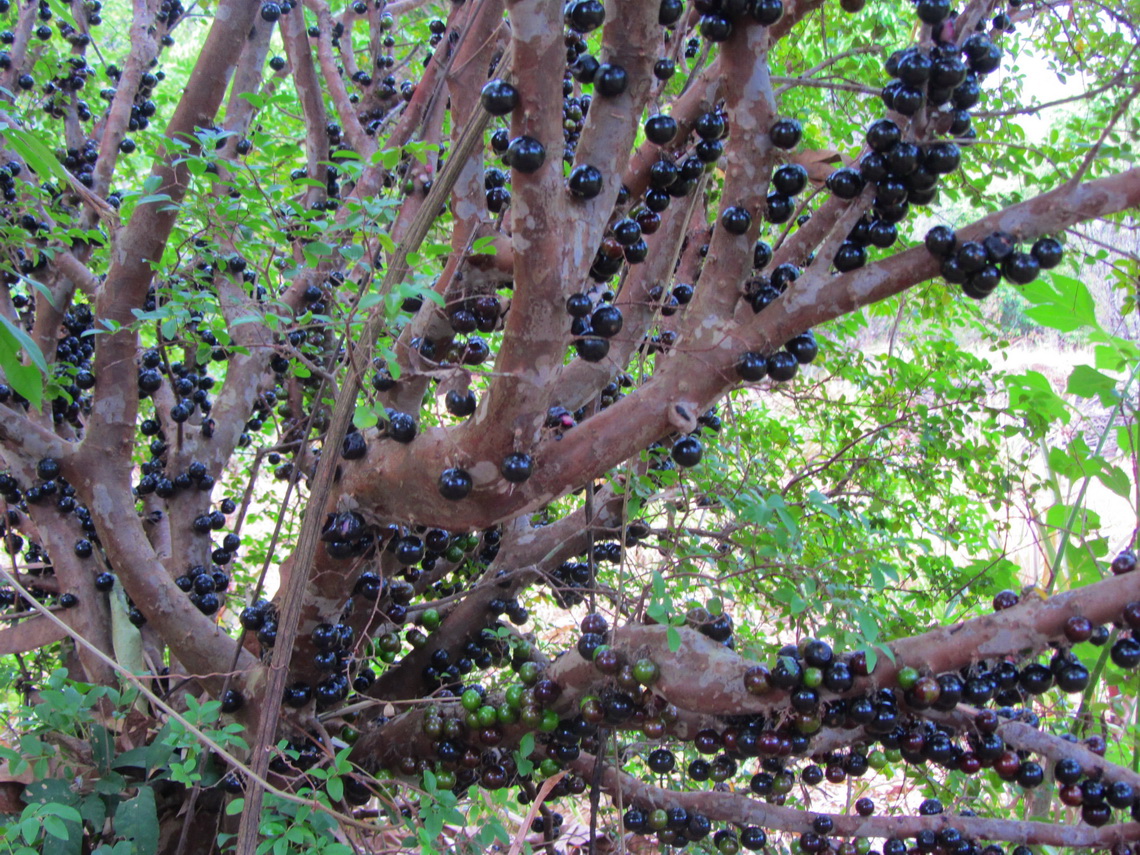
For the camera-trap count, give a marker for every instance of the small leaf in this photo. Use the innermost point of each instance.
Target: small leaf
(137, 820)
(37, 155)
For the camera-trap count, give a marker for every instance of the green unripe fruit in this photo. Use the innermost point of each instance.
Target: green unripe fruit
(907, 677)
(549, 721)
(646, 672)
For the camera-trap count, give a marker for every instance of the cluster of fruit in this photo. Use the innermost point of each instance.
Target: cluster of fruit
(979, 266)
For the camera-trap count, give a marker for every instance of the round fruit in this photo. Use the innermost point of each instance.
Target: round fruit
(611, 80)
(661, 760)
(765, 12)
(941, 241)
(849, 256)
(786, 133)
(584, 16)
(606, 320)
(752, 367)
(498, 97)
(687, 451)
(846, 183)
(882, 135)
(646, 672)
(454, 483)
(933, 12)
(942, 158)
(585, 181)
(517, 467)
(660, 129)
(1048, 252)
(525, 154)
(1021, 268)
(780, 208)
(1125, 653)
(782, 366)
(736, 220)
(790, 179)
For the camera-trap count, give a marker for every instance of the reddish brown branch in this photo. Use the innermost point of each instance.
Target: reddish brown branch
(729, 807)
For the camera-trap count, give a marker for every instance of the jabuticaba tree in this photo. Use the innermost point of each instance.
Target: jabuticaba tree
(424, 316)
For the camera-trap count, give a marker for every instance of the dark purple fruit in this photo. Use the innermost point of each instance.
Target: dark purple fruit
(687, 451)
(736, 220)
(882, 135)
(660, 129)
(846, 183)
(790, 179)
(766, 12)
(585, 181)
(1021, 268)
(780, 208)
(1048, 252)
(849, 256)
(782, 366)
(786, 133)
(517, 467)
(752, 367)
(525, 154)
(454, 483)
(941, 241)
(932, 12)
(498, 97)
(611, 80)
(584, 16)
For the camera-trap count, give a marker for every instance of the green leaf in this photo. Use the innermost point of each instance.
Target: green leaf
(28, 380)
(335, 788)
(102, 747)
(56, 827)
(1086, 382)
(1060, 302)
(137, 820)
(37, 155)
(674, 639)
(1116, 480)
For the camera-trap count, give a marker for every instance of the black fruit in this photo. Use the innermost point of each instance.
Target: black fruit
(942, 158)
(454, 483)
(498, 97)
(736, 220)
(782, 366)
(584, 16)
(525, 154)
(941, 241)
(585, 181)
(517, 467)
(932, 12)
(1021, 268)
(846, 183)
(786, 133)
(660, 129)
(1048, 252)
(752, 367)
(882, 135)
(790, 179)
(780, 208)
(849, 256)
(611, 80)
(687, 451)
(766, 12)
